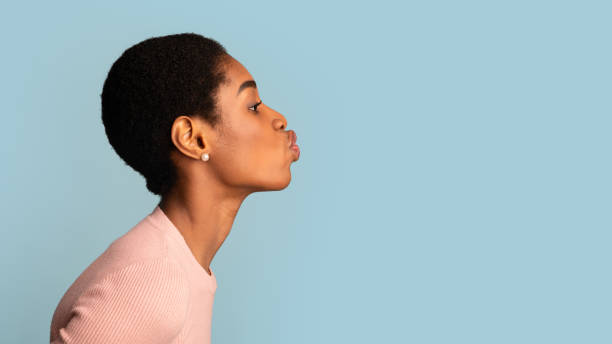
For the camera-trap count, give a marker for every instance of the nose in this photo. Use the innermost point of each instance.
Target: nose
(280, 122)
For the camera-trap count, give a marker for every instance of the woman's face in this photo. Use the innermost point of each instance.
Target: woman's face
(251, 146)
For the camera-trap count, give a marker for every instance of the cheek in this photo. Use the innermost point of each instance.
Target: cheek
(251, 153)
(261, 150)
(261, 155)
(247, 151)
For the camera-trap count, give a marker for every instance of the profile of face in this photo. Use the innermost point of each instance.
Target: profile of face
(250, 149)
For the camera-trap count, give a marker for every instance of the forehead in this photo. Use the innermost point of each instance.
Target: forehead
(227, 98)
(237, 74)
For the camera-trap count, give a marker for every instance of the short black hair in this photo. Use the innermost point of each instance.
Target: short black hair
(151, 84)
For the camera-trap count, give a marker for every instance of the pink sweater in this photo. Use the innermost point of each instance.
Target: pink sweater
(147, 287)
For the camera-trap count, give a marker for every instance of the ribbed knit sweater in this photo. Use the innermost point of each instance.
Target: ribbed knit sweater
(146, 287)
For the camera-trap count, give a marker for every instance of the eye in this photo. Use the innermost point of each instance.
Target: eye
(255, 107)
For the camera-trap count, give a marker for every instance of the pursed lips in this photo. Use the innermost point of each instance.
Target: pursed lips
(295, 149)
(292, 138)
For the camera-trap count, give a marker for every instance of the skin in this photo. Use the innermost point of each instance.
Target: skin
(248, 151)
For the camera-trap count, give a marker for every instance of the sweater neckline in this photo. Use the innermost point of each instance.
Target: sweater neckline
(163, 222)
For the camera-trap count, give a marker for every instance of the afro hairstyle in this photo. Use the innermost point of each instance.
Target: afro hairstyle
(148, 87)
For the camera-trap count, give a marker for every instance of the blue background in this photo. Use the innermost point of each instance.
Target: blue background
(454, 183)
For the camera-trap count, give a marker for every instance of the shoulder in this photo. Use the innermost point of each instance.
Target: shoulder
(145, 301)
(142, 241)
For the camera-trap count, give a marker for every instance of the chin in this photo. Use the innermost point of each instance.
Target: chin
(281, 183)
(273, 182)
(284, 183)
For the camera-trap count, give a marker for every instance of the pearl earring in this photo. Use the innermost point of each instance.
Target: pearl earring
(205, 156)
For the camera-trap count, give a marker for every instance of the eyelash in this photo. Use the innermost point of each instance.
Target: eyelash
(255, 106)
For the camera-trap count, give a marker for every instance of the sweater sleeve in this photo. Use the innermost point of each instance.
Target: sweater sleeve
(144, 302)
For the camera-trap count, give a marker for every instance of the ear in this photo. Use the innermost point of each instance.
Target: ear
(188, 136)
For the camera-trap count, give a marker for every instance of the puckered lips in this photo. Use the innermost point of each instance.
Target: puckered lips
(294, 147)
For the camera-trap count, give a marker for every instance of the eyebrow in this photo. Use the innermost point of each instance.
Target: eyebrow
(248, 83)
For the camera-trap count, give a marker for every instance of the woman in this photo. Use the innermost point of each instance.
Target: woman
(188, 117)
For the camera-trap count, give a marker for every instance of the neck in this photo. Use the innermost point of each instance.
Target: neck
(204, 214)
